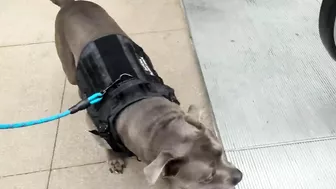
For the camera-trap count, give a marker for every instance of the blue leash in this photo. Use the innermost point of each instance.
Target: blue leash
(82, 105)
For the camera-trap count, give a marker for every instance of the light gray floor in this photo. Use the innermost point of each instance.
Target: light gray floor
(272, 88)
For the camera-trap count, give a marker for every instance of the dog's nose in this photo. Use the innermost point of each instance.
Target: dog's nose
(236, 176)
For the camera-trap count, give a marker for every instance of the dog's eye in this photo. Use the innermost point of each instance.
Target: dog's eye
(173, 167)
(208, 179)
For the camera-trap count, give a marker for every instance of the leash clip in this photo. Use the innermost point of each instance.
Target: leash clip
(103, 92)
(96, 97)
(84, 104)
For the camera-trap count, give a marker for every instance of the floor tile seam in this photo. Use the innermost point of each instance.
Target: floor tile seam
(157, 31)
(53, 169)
(131, 33)
(76, 166)
(25, 44)
(24, 173)
(56, 134)
(281, 144)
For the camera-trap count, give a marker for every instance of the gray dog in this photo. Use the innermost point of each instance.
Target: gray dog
(175, 145)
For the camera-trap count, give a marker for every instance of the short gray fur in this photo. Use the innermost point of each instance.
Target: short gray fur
(272, 86)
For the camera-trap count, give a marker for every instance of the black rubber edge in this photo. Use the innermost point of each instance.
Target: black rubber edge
(326, 26)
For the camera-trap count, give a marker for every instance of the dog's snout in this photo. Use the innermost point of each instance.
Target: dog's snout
(236, 176)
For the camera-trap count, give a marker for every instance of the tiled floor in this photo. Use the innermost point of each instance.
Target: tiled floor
(63, 155)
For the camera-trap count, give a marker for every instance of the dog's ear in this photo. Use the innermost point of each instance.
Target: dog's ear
(192, 121)
(195, 112)
(164, 164)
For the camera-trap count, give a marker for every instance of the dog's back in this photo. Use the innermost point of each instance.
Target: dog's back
(61, 3)
(77, 24)
(80, 22)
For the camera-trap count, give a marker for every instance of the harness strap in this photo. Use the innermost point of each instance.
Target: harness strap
(117, 99)
(104, 64)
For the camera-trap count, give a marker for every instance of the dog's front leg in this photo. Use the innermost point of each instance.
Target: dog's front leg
(116, 161)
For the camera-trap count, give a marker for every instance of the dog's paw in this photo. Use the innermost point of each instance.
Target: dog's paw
(116, 166)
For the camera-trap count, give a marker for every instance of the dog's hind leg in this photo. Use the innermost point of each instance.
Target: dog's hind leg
(66, 57)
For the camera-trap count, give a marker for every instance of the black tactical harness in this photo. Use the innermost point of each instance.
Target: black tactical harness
(116, 63)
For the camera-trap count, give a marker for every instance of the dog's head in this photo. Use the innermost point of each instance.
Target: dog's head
(195, 163)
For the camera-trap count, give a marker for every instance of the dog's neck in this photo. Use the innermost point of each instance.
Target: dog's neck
(156, 123)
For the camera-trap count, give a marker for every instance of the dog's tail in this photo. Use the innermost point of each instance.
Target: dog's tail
(62, 3)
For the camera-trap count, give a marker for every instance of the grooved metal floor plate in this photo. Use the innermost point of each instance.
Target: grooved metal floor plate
(306, 165)
(272, 86)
